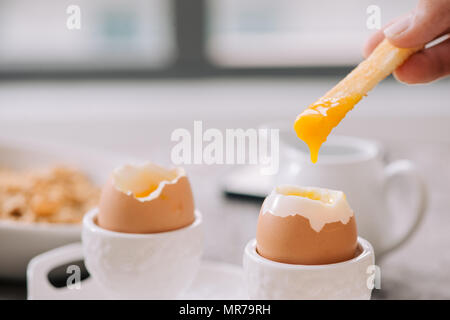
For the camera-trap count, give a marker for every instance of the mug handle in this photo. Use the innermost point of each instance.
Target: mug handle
(407, 169)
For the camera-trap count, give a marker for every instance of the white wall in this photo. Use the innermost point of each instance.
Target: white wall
(113, 113)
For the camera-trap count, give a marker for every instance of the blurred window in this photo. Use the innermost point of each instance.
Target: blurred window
(283, 33)
(189, 37)
(114, 34)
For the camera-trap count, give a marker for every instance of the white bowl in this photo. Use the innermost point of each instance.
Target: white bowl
(19, 242)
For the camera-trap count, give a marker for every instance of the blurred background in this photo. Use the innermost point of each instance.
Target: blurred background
(161, 38)
(138, 69)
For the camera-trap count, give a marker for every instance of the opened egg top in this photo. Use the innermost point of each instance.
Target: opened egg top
(307, 226)
(146, 199)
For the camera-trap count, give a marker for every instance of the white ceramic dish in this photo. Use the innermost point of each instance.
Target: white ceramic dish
(214, 280)
(19, 241)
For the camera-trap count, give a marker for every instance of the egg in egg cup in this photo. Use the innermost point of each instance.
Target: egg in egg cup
(144, 241)
(307, 247)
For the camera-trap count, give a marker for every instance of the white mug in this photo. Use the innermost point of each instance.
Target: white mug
(142, 266)
(349, 280)
(354, 166)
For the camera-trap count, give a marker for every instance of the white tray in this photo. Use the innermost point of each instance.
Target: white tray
(214, 280)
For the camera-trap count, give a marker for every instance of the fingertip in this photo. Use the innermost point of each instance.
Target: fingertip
(420, 26)
(426, 65)
(403, 77)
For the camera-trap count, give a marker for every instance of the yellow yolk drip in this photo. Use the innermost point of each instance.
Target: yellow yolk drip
(315, 123)
(146, 193)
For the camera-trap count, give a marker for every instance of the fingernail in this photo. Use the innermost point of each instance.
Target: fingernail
(398, 27)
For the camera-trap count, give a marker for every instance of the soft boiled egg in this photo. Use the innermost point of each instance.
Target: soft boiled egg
(307, 226)
(146, 199)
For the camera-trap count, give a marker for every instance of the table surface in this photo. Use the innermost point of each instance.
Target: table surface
(418, 270)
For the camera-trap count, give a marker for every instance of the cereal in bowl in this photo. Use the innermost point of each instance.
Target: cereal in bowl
(56, 195)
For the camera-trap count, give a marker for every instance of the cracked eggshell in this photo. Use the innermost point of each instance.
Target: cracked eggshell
(168, 206)
(299, 230)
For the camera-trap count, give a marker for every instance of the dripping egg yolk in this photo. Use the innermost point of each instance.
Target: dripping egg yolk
(315, 123)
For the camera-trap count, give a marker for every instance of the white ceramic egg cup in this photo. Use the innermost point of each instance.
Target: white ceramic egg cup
(142, 266)
(348, 280)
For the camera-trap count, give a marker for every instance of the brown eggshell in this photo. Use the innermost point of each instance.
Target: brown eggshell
(172, 209)
(291, 240)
